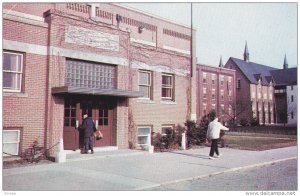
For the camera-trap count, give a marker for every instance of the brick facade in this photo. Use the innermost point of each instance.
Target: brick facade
(216, 91)
(254, 100)
(49, 34)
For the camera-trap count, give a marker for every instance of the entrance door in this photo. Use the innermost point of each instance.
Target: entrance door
(101, 113)
(104, 120)
(70, 133)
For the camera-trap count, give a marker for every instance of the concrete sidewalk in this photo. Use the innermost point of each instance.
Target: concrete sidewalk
(135, 170)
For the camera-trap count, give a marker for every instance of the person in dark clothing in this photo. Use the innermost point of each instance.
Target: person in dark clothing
(88, 126)
(81, 139)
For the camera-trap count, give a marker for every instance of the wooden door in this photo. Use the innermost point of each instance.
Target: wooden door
(104, 120)
(70, 131)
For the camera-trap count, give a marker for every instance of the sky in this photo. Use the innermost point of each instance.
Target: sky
(270, 29)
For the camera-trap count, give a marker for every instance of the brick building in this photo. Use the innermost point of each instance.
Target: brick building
(216, 91)
(286, 94)
(130, 71)
(254, 90)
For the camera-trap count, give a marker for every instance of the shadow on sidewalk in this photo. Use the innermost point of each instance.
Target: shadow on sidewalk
(192, 155)
(198, 156)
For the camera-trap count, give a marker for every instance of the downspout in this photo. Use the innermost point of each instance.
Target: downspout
(46, 115)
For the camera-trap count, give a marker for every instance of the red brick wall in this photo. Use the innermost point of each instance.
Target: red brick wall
(154, 34)
(27, 110)
(38, 110)
(210, 70)
(16, 31)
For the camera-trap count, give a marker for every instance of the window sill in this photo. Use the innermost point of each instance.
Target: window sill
(168, 102)
(14, 94)
(145, 100)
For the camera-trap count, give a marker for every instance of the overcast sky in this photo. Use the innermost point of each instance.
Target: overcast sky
(270, 29)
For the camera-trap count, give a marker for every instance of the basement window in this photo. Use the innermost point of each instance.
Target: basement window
(11, 142)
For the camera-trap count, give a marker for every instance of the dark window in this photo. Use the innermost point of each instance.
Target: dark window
(70, 113)
(292, 98)
(238, 84)
(292, 115)
(103, 117)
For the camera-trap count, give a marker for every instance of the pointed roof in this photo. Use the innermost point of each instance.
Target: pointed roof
(221, 62)
(285, 63)
(269, 79)
(257, 76)
(254, 71)
(246, 53)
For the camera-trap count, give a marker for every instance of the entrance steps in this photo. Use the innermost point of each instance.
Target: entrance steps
(102, 152)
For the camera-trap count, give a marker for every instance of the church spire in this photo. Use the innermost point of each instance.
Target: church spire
(221, 62)
(285, 63)
(246, 53)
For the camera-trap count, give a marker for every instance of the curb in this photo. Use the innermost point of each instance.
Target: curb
(218, 173)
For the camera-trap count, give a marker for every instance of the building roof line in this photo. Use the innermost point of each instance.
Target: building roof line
(152, 15)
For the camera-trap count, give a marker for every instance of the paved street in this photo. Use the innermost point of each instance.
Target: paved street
(140, 170)
(278, 176)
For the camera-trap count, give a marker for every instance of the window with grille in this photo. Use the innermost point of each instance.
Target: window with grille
(12, 71)
(167, 87)
(70, 113)
(143, 135)
(90, 75)
(238, 86)
(145, 83)
(103, 117)
(11, 142)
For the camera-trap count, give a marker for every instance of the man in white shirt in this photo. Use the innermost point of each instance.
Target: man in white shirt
(213, 134)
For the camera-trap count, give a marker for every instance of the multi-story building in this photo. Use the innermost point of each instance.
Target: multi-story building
(130, 71)
(254, 90)
(216, 91)
(286, 94)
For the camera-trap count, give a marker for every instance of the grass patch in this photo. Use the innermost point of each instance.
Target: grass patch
(258, 141)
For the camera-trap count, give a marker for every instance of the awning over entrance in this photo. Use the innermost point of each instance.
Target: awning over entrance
(96, 91)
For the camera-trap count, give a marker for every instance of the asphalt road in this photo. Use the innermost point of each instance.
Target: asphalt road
(280, 176)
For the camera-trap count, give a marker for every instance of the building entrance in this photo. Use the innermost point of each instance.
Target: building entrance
(100, 109)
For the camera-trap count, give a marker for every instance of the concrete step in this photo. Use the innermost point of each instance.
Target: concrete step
(102, 152)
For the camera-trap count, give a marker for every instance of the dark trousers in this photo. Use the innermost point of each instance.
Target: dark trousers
(214, 147)
(88, 143)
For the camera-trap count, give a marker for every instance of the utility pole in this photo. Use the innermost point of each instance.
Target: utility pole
(193, 98)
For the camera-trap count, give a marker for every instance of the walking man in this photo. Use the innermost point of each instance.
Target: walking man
(88, 126)
(213, 134)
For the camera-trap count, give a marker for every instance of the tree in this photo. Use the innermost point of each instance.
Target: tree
(237, 109)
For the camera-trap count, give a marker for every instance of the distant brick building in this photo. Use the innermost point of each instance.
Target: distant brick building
(128, 70)
(254, 90)
(264, 93)
(216, 91)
